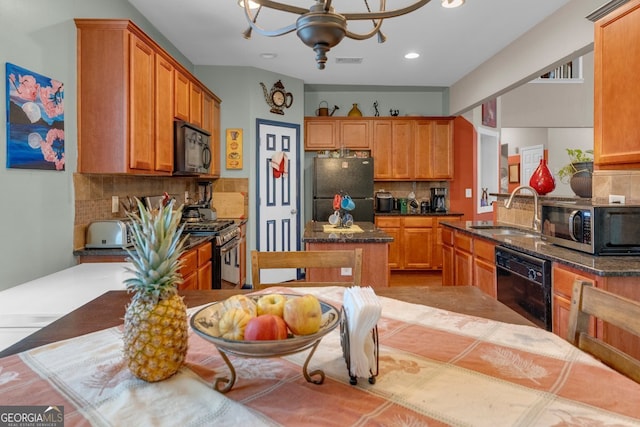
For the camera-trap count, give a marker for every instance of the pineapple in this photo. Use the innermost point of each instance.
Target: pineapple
(155, 323)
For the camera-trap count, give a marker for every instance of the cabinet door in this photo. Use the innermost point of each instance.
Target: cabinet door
(395, 248)
(463, 268)
(181, 100)
(164, 115)
(484, 274)
(216, 150)
(141, 102)
(205, 276)
(320, 133)
(382, 149)
(448, 267)
(616, 88)
(423, 130)
(436, 254)
(562, 287)
(354, 134)
(195, 104)
(418, 244)
(442, 150)
(402, 151)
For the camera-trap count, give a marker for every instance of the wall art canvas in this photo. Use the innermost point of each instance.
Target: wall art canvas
(35, 120)
(489, 113)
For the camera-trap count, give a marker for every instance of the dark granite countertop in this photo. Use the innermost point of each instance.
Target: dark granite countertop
(397, 213)
(191, 243)
(597, 265)
(314, 233)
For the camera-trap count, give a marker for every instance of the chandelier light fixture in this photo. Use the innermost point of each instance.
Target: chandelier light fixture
(320, 27)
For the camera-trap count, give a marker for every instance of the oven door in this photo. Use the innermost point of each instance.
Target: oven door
(524, 285)
(229, 259)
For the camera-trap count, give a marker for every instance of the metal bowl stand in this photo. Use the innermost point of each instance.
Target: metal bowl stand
(224, 384)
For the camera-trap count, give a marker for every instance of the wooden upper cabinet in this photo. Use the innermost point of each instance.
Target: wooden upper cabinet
(164, 114)
(354, 134)
(181, 90)
(393, 149)
(433, 149)
(320, 133)
(195, 104)
(617, 88)
(211, 123)
(129, 91)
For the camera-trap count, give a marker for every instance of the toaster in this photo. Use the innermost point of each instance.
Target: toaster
(109, 234)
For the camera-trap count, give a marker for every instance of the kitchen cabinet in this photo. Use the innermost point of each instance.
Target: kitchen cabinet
(468, 260)
(197, 269)
(417, 241)
(433, 149)
(562, 287)
(332, 133)
(617, 89)
(393, 150)
(484, 267)
(129, 91)
(211, 123)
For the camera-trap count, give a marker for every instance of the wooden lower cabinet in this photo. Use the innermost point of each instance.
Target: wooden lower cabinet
(375, 260)
(468, 260)
(417, 243)
(197, 269)
(627, 286)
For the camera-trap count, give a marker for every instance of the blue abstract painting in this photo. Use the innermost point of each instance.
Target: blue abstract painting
(35, 120)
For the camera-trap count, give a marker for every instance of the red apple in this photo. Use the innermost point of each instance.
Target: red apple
(303, 315)
(271, 304)
(265, 327)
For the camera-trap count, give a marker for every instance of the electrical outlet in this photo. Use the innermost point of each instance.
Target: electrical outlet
(616, 199)
(186, 197)
(467, 193)
(346, 271)
(115, 204)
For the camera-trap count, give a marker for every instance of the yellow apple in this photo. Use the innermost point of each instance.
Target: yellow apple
(271, 304)
(303, 314)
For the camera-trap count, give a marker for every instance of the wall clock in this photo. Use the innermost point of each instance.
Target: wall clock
(277, 98)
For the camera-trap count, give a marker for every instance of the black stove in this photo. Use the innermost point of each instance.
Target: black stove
(207, 226)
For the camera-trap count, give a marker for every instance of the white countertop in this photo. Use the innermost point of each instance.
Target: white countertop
(28, 307)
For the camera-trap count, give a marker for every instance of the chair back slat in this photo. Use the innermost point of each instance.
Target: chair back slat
(587, 301)
(307, 259)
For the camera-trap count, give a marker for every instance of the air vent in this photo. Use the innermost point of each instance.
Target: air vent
(348, 60)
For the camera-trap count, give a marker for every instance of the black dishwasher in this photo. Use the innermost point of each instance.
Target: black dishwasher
(524, 285)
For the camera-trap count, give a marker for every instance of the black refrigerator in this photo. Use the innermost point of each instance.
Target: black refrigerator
(352, 176)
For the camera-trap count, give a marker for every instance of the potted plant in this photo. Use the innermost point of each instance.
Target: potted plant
(578, 171)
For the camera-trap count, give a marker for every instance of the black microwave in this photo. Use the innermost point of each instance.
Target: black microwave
(596, 229)
(192, 149)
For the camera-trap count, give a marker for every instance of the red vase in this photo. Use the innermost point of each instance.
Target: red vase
(542, 180)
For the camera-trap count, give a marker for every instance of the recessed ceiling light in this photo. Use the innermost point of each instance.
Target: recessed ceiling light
(268, 55)
(412, 55)
(452, 3)
(252, 4)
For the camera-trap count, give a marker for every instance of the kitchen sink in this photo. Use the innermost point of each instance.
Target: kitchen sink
(501, 230)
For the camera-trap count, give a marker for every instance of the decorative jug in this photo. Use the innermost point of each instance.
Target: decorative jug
(542, 180)
(355, 112)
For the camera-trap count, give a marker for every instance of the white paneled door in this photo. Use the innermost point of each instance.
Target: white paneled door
(529, 161)
(278, 192)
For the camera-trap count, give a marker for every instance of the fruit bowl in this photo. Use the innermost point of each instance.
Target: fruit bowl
(202, 322)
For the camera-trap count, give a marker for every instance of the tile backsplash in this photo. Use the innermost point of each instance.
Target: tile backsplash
(93, 194)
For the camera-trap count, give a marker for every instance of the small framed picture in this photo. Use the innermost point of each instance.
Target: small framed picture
(489, 113)
(514, 173)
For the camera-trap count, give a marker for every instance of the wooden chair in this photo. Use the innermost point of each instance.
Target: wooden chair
(307, 259)
(624, 313)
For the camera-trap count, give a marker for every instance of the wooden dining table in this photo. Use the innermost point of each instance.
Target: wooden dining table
(108, 310)
(447, 356)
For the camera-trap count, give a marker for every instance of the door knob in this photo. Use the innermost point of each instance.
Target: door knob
(294, 211)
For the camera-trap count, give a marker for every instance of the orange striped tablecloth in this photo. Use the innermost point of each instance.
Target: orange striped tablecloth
(436, 368)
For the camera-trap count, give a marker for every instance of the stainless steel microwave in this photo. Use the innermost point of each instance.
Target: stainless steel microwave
(596, 229)
(192, 149)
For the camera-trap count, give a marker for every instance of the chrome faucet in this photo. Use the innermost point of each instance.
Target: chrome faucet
(537, 224)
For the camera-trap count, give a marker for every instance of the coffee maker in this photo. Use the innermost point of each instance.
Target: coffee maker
(438, 202)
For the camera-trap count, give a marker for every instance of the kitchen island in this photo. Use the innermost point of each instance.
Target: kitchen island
(373, 241)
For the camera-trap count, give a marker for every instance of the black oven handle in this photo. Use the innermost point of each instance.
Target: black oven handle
(229, 246)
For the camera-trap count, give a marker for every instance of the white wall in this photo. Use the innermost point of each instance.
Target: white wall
(37, 210)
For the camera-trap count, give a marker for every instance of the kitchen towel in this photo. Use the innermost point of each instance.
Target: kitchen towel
(280, 164)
